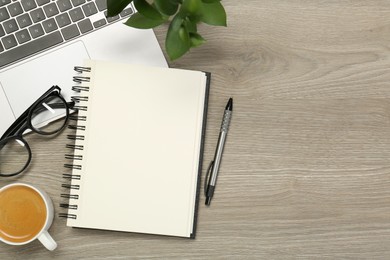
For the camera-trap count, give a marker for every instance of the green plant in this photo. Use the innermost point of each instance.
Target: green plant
(183, 15)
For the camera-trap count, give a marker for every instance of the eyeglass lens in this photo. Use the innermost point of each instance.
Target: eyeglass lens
(14, 156)
(50, 108)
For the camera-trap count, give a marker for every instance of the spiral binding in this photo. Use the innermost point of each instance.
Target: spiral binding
(70, 196)
(79, 98)
(70, 186)
(75, 147)
(72, 166)
(82, 69)
(77, 118)
(80, 79)
(79, 89)
(71, 176)
(66, 215)
(78, 108)
(75, 127)
(74, 158)
(76, 137)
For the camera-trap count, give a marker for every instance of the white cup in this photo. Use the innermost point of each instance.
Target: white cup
(43, 235)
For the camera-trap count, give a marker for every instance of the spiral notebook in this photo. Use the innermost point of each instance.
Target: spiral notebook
(138, 147)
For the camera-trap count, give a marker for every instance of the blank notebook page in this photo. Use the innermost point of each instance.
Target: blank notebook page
(141, 149)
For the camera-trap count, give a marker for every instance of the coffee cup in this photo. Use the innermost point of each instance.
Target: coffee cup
(26, 214)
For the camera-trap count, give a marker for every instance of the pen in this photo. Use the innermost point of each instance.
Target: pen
(214, 165)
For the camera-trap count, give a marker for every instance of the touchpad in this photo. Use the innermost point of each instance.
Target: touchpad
(6, 116)
(25, 83)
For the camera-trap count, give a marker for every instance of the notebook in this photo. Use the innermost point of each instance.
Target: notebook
(138, 147)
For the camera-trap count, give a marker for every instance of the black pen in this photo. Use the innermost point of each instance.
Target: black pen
(214, 165)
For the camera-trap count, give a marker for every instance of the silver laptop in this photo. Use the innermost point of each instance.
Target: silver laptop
(42, 40)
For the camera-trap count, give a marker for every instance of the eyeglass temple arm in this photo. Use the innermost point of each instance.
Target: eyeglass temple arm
(16, 125)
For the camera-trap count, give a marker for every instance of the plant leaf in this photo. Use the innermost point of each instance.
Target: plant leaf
(139, 21)
(191, 7)
(196, 40)
(210, 1)
(167, 7)
(214, 14)
(147, 10)
(114, 7)
(177, 42)
(190, 25)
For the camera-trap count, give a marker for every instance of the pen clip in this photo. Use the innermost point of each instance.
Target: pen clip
(208, 175)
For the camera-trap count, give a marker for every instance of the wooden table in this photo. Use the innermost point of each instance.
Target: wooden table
(306, 168)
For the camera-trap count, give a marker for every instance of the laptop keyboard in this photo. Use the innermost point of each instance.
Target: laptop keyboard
(30, 26)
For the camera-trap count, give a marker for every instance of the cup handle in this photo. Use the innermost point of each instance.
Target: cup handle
(47, 240)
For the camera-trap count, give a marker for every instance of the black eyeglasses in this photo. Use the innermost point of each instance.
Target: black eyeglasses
(15, 153)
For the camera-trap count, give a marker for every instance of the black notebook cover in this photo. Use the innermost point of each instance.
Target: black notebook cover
(198, 189)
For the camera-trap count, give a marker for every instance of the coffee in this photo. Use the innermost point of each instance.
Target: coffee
(22, 214)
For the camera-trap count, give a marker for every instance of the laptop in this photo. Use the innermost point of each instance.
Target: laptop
(42, 40)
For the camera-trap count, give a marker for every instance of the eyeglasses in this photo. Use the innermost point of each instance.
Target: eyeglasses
(15, 153)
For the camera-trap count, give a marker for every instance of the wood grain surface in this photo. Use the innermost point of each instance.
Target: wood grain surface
(306, 168)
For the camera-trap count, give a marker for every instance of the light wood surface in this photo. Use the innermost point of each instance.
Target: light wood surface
(306, 168)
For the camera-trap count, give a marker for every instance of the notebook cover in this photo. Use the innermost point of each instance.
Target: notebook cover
(199, 185)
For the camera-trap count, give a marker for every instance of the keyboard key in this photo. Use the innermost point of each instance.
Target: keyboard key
(101, 4)
(126, 12)
(15, 9)
(30, 48)
(4, 2)
(9, 41)
(22, 36)
(10, 26)
(42, 2)
(63, 20)
(36, 30)
(24, 20)
(51, 10)
(2, 32)
(37, 15)
(70, 32)
(85, 26)
(64, 5)
(1, 47)
(111, 19)
(49, 25)
(76, 14)
(3, 14)
(28, 5)
(90, 9)
(78, 2)
(99, 23)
